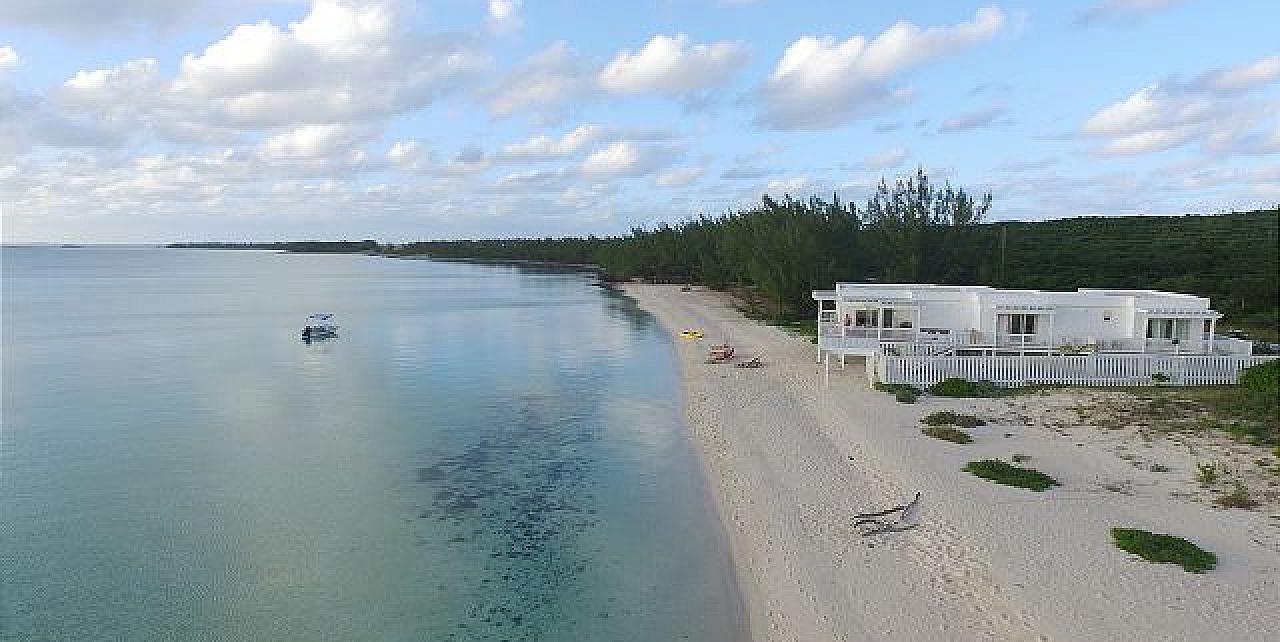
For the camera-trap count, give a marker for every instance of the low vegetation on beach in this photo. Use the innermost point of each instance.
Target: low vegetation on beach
(947, 433)
(947, 417)
(1164, 549)
(904, 393)
(1004, 473)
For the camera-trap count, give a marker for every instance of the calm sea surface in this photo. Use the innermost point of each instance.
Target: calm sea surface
(485, 453)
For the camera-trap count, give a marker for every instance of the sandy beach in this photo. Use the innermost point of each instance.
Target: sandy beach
(790, 461)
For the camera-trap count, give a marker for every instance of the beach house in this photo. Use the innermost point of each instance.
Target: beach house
(979, 328)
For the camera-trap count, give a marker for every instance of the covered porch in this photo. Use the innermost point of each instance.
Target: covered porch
(860, 326)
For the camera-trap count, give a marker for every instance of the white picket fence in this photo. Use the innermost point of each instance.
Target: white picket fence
(1092, 370)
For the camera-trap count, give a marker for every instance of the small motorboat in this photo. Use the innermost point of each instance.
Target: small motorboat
(319, 326)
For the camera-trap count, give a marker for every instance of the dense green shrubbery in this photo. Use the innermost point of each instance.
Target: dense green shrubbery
(947, 433)
(946, 417)
(1164, 549)
(912, 231)
(1263, 378)
(1010, 475)
(956, 387)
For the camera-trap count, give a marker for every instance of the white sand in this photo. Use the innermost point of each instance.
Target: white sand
(790, 461)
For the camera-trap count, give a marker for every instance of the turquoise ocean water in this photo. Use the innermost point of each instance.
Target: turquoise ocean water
(484, 453)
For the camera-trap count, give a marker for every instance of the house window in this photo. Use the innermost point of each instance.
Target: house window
(888, 317)
(1159, 328)
(864, 318)
(1108, 316)
(1021, 323)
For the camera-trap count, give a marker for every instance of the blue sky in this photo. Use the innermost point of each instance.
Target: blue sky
(152, 120)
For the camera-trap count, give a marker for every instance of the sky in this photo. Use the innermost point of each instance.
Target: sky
(171, 120)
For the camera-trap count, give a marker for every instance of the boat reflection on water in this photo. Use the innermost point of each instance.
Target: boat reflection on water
(319, 327)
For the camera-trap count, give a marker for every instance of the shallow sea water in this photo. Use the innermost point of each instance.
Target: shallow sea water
(484, 453)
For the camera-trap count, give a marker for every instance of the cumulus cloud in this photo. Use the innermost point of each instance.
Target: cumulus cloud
(820, 83)
(1214, 109)
(341, 62)
(1240, 78)
(8, 58)
(886, 159)
(544, 84)
(679, 176)
(314, 141)
(408, 155)
(989, 116)
(98, 18)
(504, 15)
(625, 158)
(1122, 11)
(793, 185)
(672, 65)
(544, 147)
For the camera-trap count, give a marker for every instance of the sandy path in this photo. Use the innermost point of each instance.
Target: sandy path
(790, 460)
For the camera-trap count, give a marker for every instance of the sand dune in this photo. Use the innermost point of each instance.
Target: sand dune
(790, 461)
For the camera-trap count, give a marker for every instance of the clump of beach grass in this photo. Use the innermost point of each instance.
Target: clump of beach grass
(958, 387)
(947, 417)
(1164, 549)
(1239, 497)
(947, 433)
(904, 393)
(1003, 473)
(1207, 474)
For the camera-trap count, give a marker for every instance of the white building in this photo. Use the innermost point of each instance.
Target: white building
(869, 319)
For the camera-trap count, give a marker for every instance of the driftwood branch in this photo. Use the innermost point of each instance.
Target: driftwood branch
(905, 512)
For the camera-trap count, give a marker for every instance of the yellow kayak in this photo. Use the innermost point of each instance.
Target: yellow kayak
(691, 334)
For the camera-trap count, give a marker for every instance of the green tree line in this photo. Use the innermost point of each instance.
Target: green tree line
(915, 231)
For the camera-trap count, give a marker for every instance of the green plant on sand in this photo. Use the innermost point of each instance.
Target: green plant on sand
(1239, 497)
(946, 417)
(1164, 549)
(1010, 475)
(904, 393)
(957, 387)
(1206, 474)
(947, 433)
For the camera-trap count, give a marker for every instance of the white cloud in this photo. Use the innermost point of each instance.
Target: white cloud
(98, 18)
(545, 83)
(679, 176)
(821, 83)
(504, 15)
(889, 158)
(407, 155)
(625, 158)
(1243, 77)
(793, 185)
(672, 65)
(543, 147)
(1214, 109)
(989, 116)
(1122, 10)
(313, 141)
(8, 58)
(341, 62)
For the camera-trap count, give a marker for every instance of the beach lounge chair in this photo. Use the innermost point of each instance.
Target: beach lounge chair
(720, 353)
(753, 362)
(892, 520)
